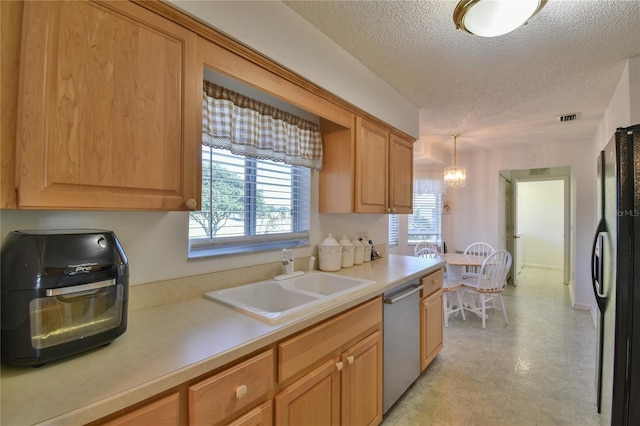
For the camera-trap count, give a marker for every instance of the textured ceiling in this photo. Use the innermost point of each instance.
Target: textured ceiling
(493, 92)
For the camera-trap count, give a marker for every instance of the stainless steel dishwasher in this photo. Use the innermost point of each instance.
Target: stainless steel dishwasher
(401, 333)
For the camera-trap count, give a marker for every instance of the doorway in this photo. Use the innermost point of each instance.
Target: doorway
(535, 219)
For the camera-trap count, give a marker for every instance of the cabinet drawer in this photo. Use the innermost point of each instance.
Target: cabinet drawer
(165, 411)
(304, 350)
(259, 416)
(432, 283)
(219, 397)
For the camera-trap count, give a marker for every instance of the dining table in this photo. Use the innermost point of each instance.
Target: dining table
(457, 262)
(456, 265)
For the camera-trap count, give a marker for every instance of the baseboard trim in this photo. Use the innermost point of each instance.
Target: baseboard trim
(572, 295)
(535, 265)
(582, 306)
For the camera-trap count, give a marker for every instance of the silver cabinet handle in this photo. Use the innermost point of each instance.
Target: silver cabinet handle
(80, 288)
(403, 295)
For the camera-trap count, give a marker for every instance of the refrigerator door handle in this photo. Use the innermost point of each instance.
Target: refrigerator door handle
(597, 276)
(597, 264)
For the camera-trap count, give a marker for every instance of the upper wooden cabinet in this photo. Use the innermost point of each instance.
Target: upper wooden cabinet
(10, 30)
(400, 175)
(366, 169)
(109, 109)
(372, 168)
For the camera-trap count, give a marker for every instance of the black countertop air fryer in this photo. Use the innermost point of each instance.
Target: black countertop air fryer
(63, 292)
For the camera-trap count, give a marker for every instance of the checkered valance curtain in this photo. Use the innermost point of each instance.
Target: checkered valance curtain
(248, 127)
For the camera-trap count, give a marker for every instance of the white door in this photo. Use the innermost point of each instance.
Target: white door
(519, 257)
(507, 217)
(516, 237)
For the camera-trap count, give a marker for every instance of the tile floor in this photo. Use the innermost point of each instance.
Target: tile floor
(538, 370)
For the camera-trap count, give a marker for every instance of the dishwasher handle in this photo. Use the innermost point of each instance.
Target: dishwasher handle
(404, 295)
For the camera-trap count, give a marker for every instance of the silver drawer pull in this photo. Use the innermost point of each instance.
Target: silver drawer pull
(403, 295)
(80, 288)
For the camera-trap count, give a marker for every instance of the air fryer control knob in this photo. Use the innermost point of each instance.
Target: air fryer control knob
(102, 242)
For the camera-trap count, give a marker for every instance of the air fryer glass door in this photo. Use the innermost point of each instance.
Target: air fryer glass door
(73, 313)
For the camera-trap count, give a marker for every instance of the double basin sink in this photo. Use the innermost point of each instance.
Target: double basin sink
(275, 301)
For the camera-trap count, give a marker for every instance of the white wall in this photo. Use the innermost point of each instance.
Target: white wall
(476, 213)
(273, 29)
(156, 243)
(540, 219)
(475, 216)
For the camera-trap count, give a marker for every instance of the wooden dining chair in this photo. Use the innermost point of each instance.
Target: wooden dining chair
(488, 285)
(450, 289)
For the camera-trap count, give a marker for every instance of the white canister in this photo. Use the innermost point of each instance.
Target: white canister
(347, 252)
(367, 250)
(358, 252)
(329, 254)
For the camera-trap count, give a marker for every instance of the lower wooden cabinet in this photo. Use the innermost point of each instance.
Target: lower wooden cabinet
(345, 390)
(329, 374)
(431, 318)
(220, 397)
(259, 416)
(163, 412)
(362, 382)
(431, 328)
(336, 368)
(315, 396)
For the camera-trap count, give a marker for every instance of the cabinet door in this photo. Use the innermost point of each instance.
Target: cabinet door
(313, 399)
(109, 109)
(362, 382)
(10, 30)
(400, 175)
(431, 331)
(372, 168)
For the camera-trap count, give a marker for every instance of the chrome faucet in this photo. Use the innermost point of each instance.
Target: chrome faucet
(287, 261)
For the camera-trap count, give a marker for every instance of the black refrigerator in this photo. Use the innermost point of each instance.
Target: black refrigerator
(615, 271)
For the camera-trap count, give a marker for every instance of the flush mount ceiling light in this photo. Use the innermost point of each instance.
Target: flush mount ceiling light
(455, 176)
(491, 18)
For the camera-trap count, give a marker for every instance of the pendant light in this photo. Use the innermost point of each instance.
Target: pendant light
(491, 18)
(455, 176)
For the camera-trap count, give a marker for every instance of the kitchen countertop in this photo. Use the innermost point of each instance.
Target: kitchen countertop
(165, 346)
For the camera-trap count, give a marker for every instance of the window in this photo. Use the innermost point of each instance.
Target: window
(256, 173)
(249, 204)
(394, 228)
(425, 222)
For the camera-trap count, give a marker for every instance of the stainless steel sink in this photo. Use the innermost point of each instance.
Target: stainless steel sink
(276, 301)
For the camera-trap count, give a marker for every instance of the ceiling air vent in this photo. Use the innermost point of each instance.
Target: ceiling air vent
(568, 117)
(539, 172)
